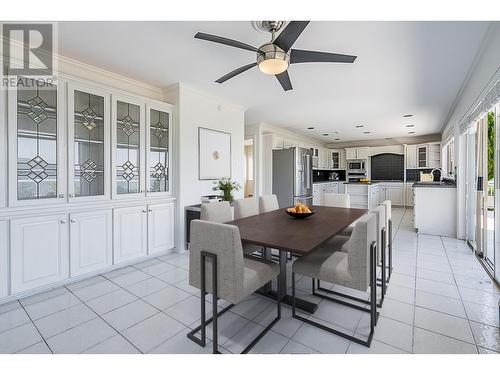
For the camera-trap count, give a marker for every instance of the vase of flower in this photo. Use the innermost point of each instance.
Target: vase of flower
(226, 186)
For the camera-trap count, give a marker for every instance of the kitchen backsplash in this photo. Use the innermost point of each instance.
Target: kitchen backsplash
(413, 175)
(324, 175)
(387, 167)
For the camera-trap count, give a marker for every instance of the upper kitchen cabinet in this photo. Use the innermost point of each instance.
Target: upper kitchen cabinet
(357, 153)
(36, 141)
(338, 159)
(427, 155)
(128, 144)
(158, 149)
(411, 157)
(88, 143)
(422, 153)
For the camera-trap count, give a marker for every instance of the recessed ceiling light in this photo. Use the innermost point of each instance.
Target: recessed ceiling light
(337, 139)
(325, 134)
(407, 115)
(388, 138)
(310, 127)
(366, 132)
(411, 132)
(410, 126)
(359, 126)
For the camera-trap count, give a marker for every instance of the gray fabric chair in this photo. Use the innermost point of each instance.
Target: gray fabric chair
(217, 266)
(379, 213)
(268, 203)
(218, 212)
(243, 208)
(388, 242)
(353, 267)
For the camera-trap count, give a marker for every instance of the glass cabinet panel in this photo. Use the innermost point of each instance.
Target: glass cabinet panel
(128, 138)
(88, 144)
(36, 140)
(422, 157)
(159, 123)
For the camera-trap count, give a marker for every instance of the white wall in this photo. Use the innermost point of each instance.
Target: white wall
(194, 109)
(485, 72)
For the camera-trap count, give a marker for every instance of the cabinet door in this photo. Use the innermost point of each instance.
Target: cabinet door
(343, 164)
(4, 248)
(409, 195)
(130, 233)
(411, 157)
(351, 153)
(39, 251)
(422, 155)
(335, 158)
(89, 143)
(277, 142)
(158, 146)
(395, 195)
(362, 152)
(36, 144)
(128, 141)
(90, 241)
(160, 227)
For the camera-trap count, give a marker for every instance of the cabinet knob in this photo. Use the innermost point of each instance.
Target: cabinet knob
(72, 195)
(150, 210)
(63, 221)
(144, 211)
(73, 220)
(61, 195)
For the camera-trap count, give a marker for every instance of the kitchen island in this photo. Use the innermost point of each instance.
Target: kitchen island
(363, 194)
(435, 208)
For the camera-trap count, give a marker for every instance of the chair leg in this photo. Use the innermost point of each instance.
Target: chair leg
(390, 248)
(384, 280)
(373, 288)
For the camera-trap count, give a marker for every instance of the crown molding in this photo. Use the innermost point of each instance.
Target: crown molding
(389, 142)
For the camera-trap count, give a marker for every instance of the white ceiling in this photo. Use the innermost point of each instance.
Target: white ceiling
(402, 68)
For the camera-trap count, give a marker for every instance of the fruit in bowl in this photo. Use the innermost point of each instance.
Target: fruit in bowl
(300, 210)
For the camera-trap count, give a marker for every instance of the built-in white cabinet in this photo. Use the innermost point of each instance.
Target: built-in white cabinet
(393, 191)
(361, 153)
(422, 153)
(320, 188)
(91, 242)
(277, 142)
(160, 228)
(337, 159)
(409, 194)
(130, 233)
(411, 157)
(289, 143)
(39, 251)
(4, 256)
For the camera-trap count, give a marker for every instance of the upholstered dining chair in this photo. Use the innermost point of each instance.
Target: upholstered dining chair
(354, 266)
(388, 220)
(218, 212)
(268, 203)
(336, 200)
(217, 266)
(243, 208)
(379, 212)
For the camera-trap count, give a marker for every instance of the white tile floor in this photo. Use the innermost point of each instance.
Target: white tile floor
(439, 300)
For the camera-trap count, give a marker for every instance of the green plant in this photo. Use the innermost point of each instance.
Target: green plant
(226, 186)
(491, 146)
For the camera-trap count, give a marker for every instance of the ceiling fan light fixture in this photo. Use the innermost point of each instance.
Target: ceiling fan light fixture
(272, 60)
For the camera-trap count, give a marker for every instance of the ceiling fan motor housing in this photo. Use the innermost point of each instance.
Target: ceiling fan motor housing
(272, 59)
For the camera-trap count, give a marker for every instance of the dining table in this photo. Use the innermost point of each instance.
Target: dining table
(299, 236)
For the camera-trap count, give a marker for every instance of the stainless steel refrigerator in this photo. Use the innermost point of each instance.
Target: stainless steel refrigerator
(292, 176)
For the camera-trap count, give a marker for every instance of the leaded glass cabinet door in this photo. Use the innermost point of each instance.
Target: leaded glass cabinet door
(158, 148)
(35, 143)
(128, 139)
(89, 143)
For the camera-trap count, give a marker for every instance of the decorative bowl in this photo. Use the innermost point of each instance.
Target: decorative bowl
(298, 215)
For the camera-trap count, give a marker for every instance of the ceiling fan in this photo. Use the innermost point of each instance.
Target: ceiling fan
(275, 57)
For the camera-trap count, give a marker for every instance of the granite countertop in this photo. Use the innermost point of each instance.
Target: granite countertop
(325, 181)
(434, 185)
(362, 183)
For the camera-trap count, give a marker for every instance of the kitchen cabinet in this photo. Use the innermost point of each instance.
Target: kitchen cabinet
(422, 152)
(277, 142)
(427, 155)
(393, 191)
(434, 155)
(409, 194)
(130, 233)
(160, 227)
(337, 159)
(4, 256)
(363, 195)
(411, 157)
(289, 143)
(320, 188)
(360, 153)
(435, 210)
(41, 254)
(91, 243)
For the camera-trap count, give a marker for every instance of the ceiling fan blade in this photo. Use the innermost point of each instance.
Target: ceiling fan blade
(226, 41)
(284, 80)
(235, 72)
(290, 34)
(302, 56)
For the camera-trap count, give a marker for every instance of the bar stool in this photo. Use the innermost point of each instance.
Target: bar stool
(389, 237)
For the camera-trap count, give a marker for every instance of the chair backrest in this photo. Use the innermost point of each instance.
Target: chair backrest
(388, 209)
(336, 200)
(245, 207)
(218, 212)
(358, 250)
(379, 212)
(224, 241)
(268, 203)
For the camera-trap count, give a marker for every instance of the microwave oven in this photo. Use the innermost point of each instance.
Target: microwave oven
(357, 165)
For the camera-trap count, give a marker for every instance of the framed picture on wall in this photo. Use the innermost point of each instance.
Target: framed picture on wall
(214, 154)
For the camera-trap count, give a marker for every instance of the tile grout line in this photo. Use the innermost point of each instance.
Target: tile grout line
(100, 317)
(40, 333)
(415, 298)
(461, 300)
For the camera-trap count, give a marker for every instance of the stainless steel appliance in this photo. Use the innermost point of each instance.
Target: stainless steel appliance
(356, 170)
(292, 176)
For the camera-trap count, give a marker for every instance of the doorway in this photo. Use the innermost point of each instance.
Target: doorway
(249, 183)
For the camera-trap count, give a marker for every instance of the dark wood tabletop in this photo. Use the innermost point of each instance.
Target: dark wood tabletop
(278, 230)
